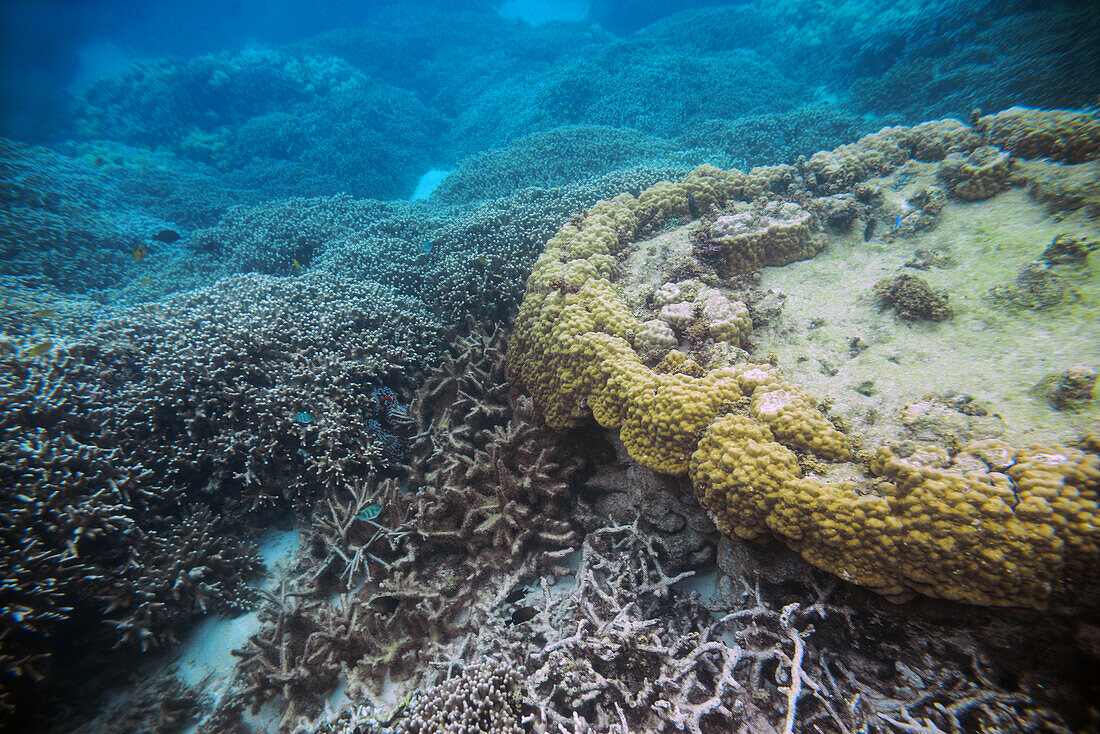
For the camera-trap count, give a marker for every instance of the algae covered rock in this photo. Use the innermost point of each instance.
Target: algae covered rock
(766, 233)
(979, 175)
(912, 298)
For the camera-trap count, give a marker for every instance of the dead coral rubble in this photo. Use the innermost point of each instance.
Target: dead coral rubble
(625, 648)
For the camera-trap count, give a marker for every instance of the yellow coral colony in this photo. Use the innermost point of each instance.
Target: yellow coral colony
(994, 524)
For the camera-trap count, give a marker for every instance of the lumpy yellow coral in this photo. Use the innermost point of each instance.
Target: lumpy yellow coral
(992, 524)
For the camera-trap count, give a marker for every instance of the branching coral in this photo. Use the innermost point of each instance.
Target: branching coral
(137, 456)
(299, 655)
(487, 493)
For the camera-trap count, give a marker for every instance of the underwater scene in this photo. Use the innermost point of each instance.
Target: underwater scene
(549, 366)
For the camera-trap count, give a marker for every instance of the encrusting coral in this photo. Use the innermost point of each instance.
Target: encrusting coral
(575, 351)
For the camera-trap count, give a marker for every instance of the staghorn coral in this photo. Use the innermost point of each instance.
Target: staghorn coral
(298, 656)
(572, 353)
(485, 493)
(96, 554)
(133, 453)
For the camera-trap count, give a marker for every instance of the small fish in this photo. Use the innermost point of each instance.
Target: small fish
(427, 247)
(518, 593)
(167, 236)
(39, 349)
(45, 313)
(139, 253)
(523, 614)
(384, 396)
(869, 230)
(145, 281)
(370, 512)
(296, 265)
(384, 604)
(897, 223)
(303, 417)
(483, 261)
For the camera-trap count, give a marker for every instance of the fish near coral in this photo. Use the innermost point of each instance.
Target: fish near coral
(38, 349)
(391, 410)
(370, 512)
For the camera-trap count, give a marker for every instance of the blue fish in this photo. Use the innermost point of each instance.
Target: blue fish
(303, 417)
(370, 512)
(426, 247)
(897, 223)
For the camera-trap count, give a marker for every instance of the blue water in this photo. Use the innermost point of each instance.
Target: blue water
(232, 192)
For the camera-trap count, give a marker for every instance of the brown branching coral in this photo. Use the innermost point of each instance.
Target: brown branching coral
(487, 497)
(162, 706)
(299, 655)
(495, 504)
(345, 544)
(137, 460)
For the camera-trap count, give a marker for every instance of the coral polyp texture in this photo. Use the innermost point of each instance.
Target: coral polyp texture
(986, 524)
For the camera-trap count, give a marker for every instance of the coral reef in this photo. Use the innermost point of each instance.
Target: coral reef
(486, 496)
(1066, 136)
(751, 237)
(298, 656)
(134, 451)
(624, 646)
(1036, 286)
(562, 156)
(1070, 389)
(572, 352)
(912, 298)
(244, 112)
(763, 139)
(64, 224)
(161, 706)
(1063, 187)
(483, 699)
(1072, 250)
(982, 173)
